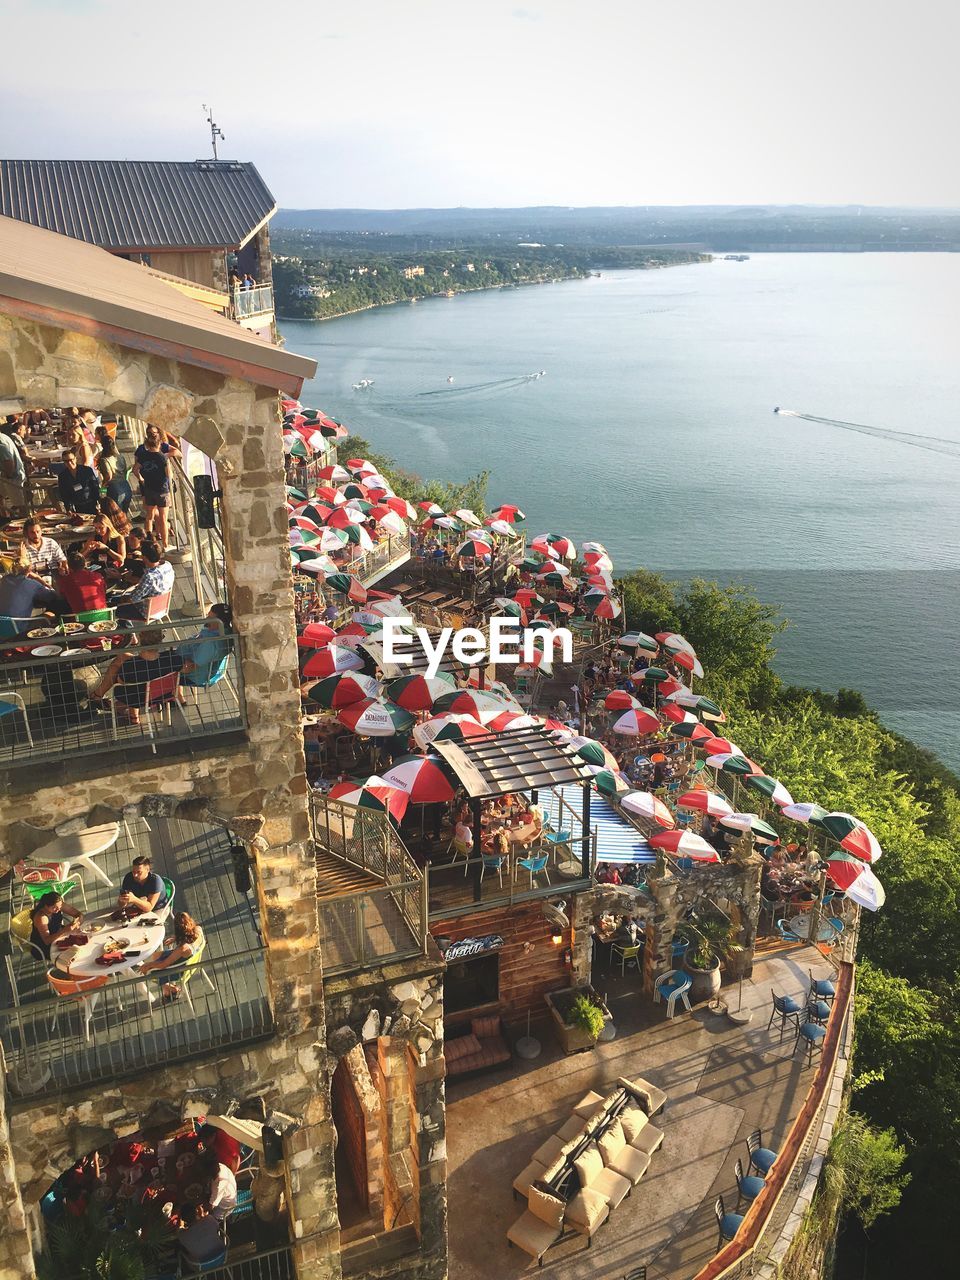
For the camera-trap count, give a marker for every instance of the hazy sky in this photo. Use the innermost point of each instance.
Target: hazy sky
(393, 103)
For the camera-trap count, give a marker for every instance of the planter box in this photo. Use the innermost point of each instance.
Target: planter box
(573, 1039)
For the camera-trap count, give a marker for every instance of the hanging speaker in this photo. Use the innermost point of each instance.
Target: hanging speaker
(203, 499)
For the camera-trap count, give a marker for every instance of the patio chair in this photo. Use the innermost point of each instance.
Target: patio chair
(787, 1010)
(185, 972)
(817, 1010)
(638, 1273)
(208, 1264)
(170, 890)
(38, 873)
(557, 840)
(10, 704)
(493, 862)
(822, 988)
(749, 1186)
(728, 1224)
(811, 1036)
(535, 864)
(786, 935)
(158, 607)
(672, 986)
(460, 850)
(628, 955)
(21, 930)
(82, 991)
(92, 615)
(760, 1157)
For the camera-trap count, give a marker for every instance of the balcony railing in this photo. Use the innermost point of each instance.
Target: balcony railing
(47, 698)
(46, 1049)
(257, 301)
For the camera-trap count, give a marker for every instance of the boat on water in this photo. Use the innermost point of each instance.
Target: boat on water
(363, 384)
(786, 413)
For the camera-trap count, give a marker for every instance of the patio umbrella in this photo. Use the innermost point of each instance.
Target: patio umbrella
(593, 752)
(856, 880)
(640, 641)
(647, 805)
(334, 473)
(730, 763)
(295, 445)
(419, 692)
(605, 607)
(331, 661)
(510, 720)
(450, 727)
(344, 517)
(706, 802)
(635, 722)
(510, 608)
(620, 700)
(431, 509)
(685, 844)
(466, 516)
(359, 465)
(375, 718)
(359, 537)
(310, 561)
(297, 494)
(609, 783)
(689, 662)
(346, 585)
(750, 822)
(705, 707)
(770, 788)
(475, 703)
(332, 539)
(422, 778)
(375, 793)
(343, 689)
(554, 577)
(651, 675)
(803, 812)
(508, 512)
(851, 834)
(526, 597)
(692, 729)
(678, 715)
(721, 746)
(503, 528)
(314, 635)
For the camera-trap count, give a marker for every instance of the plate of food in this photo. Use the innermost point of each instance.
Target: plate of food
(52, 517)
(116, 944)
(73, 628)
(40, 633)
(104, 624)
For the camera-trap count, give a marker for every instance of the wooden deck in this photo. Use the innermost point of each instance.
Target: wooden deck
(362, 921)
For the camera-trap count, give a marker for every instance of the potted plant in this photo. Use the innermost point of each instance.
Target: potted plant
(702, 961)
(578, 1015)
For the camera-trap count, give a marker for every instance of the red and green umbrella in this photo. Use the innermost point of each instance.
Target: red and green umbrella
(346, 585)
(375, 793)
(640, 641)
(555, 577)
(770, 787)
(856, 880)
(705, 707)
(331, 661)
(344, 689)
(606, 607)
(510, 720)
(646, 805)
(526, 597)
(419, 692)
(344, 517)
(315, 635)
(475, 703)
(686, 844)
(508, 513)
(750, 822)
(851, 834)
(727, 762)
(609, 783)
(651, 675)
(449, 727)
(705, 802)
(721, 746)
(620, 700)
(692, 729)
(804, 812)
(592, 752)
(334, 473)
(431, 509)
(375, 718)
(422, 778)
(689, 661)
(636, 722)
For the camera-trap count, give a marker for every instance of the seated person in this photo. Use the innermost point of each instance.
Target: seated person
(209, 650)
(132, 673)
(133, 565)
(463, 835)
(142, 888)
(78, 485)
(200, 1236)
(21, 592)
(157, 580)
(223, 1185)
(51, 919)
(38, 553)
(187, 940)
(105, 545)
(83, 589)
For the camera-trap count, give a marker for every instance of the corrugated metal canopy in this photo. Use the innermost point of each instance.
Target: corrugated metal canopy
(516, 760)
(139, 205)
(78, 287)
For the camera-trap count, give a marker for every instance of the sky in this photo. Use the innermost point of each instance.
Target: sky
(413, 103)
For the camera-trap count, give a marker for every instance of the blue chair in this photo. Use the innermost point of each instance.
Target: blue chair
(11, 703)
(787, 1009)
(822, 988)
(210, 1264)
(556, 839)
(786, 935)
(51, 1206)
(760, 1157)
(748, 1187)
(536, 864)
(493, 862)
(811, 1035)
(728, 1224)
(244, 1204)
(818, 1011)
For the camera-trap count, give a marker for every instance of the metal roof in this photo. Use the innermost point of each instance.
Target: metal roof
(139, 205)
(60, 282)
(515, 760)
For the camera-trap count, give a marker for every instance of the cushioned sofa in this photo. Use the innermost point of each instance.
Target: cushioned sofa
(476, 1048)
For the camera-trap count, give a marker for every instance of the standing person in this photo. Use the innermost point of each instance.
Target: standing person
(152, 469)
(78, 486)
(13, 475)
(223, 1186)
(77, 440)
(112, 469)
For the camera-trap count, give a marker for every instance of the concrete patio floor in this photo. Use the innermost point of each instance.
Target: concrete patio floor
(721, 1081)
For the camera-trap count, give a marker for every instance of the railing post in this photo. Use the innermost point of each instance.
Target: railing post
(424, 907)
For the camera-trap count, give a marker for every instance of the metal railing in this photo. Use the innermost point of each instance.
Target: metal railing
(271, 1264)
(45, 1049)
(257, 301)
(53, 714)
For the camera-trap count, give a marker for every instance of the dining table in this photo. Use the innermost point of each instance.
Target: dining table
(80, 847)
(800, 925)
(140, 938)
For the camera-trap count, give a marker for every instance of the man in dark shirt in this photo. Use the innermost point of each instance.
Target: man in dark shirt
(79, 486)
(131, 674)
(21, 593)
(142, 888)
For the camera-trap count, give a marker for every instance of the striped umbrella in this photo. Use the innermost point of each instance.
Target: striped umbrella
(419, 692)
(686, 844)
(346, 585)
(678, 715)
(856, 880)
(421, 778)
(705, 707)
(692, 729)
(334, 473)
(690, 662)
(343, 689)
(431, 509)
(510, 720)
(466, 516)
(526, 597)
(375, 793)
(636, 722)
(315, 635)
(620, 700)
(507, 512)
(646, 805)
(851, 834)
(750, 822)
(344, 517)
(375, 718)
(554, 577)
(331, 661)
(399, 505)
(609, 783)
(475, 703)
(721, 746)
(730, 763)
(359, 465)
(605, 607)
(592, 752)
(803, 812)
(770, 788)
(640, 641)
(449, 727)
(310, 561)
(706, 802)
(651, 675)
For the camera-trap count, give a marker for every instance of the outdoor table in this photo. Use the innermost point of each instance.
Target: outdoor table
(80, 847)
(800, 925)
(81, 962)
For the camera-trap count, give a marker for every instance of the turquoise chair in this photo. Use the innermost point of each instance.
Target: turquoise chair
(535, 864)
(493, 862)
(170, 892)
(728, 1224)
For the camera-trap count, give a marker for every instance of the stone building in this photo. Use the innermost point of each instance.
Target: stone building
(226, 803)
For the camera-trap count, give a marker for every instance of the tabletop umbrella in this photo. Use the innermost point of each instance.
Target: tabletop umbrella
(506, 511)
(334, 473)
(706, 802)
(554, 577)
(476, 703)
(359, 537)
(448, 522)
(422, 778)
(770, 788)
(750, 822)
(301, 559)
(419, 692)
(344, 517)
(620, 700)
(609, 783)
(466, 516)
(503, 527)
(329, 495)
(560, 546)
(721, 746)
(376, 718)
(526, 596)
(346, 585)
(690, 662)
(510, 720)
(431, 509)
(355, 491)
(330, 661)
(673, 642)
(375, 793)
(678, 715)
(638, 640)
(856, 880)
(344, 689)
(691, 729)
(399, 505)
(593, 752)
(803, 812)
(332, 539)
(297, 494)
(359, 465)
(510, 608)
(851, 834)
(449, 727)
(646, 805)
(605, 607)
(636, 722)
(295, 445)
(727, 762)
(598, 562)
(390, 521)
(314, 635)
(651, 675)
(686, 844)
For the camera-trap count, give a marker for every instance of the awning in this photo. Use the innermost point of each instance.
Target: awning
(515, 760)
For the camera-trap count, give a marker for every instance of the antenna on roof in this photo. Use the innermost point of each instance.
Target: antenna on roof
(215, 130)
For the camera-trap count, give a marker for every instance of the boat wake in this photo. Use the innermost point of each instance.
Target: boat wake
(933, 444)
(473, 388)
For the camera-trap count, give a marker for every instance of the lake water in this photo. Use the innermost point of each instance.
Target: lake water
(653, 433)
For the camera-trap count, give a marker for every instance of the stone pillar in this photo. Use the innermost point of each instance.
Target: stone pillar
(658, 954)
(16, 1256)
(430, 1148)
(582, 919)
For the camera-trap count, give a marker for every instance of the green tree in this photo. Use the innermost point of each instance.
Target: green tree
(864, 1169)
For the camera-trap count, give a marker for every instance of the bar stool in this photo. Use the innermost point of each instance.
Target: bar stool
(822, 988)
(748, 1187)
(811, 1036)
(788, 1010)
(761, 1158)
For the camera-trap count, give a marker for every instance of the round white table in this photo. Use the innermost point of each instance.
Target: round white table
(147, 939)
(800, 925)
(80, 847)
